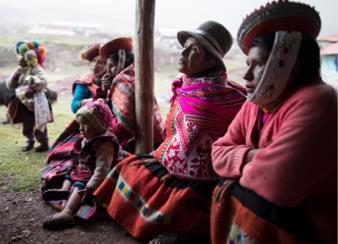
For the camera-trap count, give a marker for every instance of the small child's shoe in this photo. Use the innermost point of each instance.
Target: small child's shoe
(55, 195)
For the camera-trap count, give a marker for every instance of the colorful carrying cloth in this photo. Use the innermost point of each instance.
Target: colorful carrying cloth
(202, 109)
(123, 106)
(239, 215)
(148, 204)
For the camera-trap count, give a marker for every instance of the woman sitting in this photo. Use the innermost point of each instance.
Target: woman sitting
(119, 83)
(279, 156)
(169, 191)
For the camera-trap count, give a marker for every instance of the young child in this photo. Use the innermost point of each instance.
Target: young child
(95, 157)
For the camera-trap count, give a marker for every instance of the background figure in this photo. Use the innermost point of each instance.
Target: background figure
(30, 107)
(279, 156)
(98, 151)
(89, 86)
(169, 200)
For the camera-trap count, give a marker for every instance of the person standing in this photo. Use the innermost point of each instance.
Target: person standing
(31, 106)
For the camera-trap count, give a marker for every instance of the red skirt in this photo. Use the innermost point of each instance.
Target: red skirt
(239, 215)
(142, 197)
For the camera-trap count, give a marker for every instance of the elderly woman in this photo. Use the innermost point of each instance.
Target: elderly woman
(89, 86)
(279, 156)
(30, 107)
(165, 196)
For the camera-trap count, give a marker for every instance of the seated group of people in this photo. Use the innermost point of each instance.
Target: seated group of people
(231, 164)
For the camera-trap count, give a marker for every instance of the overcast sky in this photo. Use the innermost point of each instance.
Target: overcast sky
(119, 16)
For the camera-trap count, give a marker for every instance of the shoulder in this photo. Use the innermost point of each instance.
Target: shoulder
(316, 95)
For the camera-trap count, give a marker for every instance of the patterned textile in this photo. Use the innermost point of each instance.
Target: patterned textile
(278, 16)
(239, 215)
(154, 205)
(122, 97)
(202, 109)
(60, 157)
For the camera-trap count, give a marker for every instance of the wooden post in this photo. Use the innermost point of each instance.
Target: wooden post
(144, 75)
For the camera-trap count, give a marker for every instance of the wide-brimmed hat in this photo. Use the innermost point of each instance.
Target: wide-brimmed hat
(114, 45)
(278, 16)
(212, 35)
(90, 52)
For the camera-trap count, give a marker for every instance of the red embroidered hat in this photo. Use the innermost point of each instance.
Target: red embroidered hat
(278, 16)
(114, 45)
(90, 52)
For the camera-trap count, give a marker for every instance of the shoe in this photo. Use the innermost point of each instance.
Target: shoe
(28, 146)
(55, 195)
(42, 148)
(53, 223)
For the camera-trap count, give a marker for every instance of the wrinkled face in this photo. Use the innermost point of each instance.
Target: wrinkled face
(98, 66)
(192, 58)
(86, 129)
(256, 61)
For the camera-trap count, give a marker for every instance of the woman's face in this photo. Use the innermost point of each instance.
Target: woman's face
(256, 61)
(98, 66)
(86, 129)
(111, 67)
(192, 58)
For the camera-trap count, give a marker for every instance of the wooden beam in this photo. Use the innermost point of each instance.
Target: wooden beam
(144, 75)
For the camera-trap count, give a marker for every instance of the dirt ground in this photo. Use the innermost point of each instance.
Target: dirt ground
(22, 213)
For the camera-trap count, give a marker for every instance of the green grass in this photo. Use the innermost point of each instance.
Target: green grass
(20, 171)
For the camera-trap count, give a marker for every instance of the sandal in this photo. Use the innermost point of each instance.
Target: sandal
(52, 223)
(55, 194)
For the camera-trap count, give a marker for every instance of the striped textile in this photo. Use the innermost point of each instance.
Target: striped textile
(148, 205)
(60, 156)
(239, 215)
(123, 107)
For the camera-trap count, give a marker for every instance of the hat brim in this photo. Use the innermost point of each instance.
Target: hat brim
(278, 16)
(113, 46)
(90, 53)
(182, 37)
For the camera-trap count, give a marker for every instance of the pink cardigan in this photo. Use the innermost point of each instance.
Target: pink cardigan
(297, 161)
